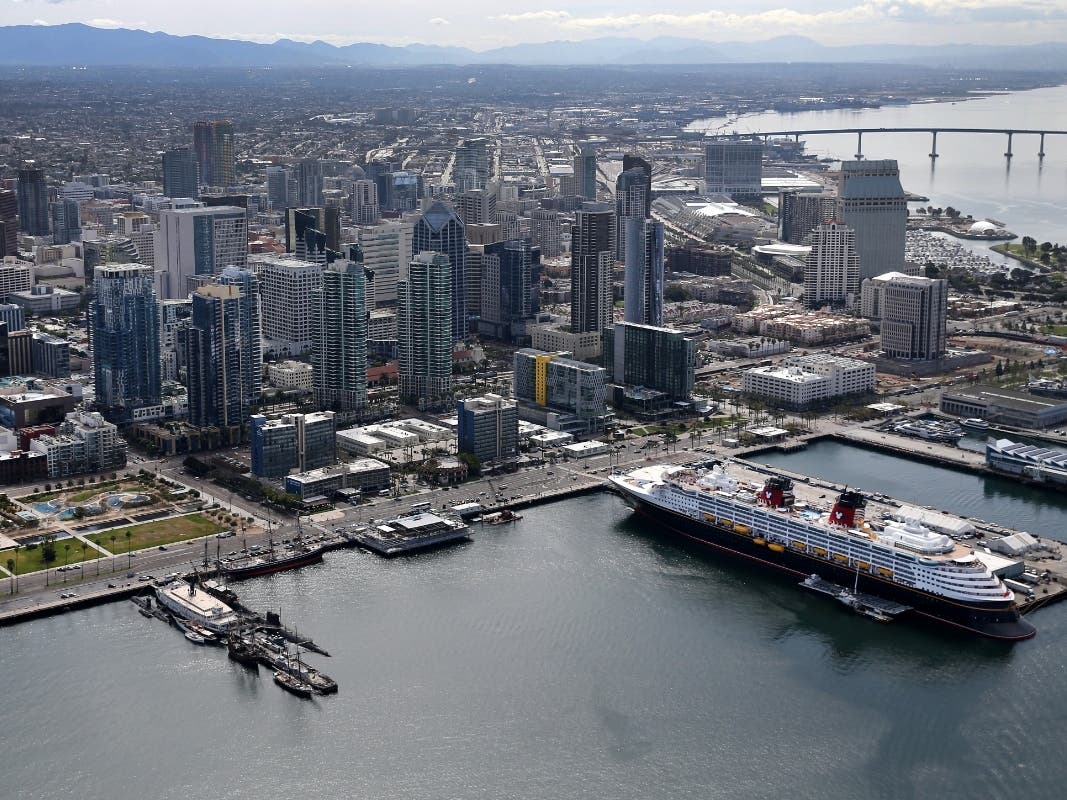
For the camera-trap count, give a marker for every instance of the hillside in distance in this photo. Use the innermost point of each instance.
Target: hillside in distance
(74, 44)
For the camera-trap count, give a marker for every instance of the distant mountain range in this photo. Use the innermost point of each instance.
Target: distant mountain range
(75, 44)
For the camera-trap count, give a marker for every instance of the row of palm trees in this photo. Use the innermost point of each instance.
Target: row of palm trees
(13, 563)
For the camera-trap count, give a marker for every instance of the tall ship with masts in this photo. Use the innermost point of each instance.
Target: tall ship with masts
(297, 553)
(903, 561)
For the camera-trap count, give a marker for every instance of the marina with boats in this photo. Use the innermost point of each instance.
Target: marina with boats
(204, 619)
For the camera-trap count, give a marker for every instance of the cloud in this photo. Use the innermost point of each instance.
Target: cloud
(787, 19)
(545, 15)
(439, 21)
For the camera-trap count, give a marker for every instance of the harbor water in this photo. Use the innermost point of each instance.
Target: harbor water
(577, 653)
(971, 172)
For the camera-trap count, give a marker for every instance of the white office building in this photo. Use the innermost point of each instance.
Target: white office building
(386, 253)
(832, 270)
(198, 243)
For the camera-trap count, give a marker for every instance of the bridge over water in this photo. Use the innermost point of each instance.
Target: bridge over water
(933, 131)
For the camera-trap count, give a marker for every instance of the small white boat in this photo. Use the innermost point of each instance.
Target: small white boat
(195, 638)
(977, 424)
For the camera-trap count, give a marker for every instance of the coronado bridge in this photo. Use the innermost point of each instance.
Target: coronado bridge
(1010, 133)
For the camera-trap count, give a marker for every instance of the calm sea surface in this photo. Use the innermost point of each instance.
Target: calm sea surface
(971, 174)
(575, 654)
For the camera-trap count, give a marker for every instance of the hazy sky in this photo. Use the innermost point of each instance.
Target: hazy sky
(480, 25)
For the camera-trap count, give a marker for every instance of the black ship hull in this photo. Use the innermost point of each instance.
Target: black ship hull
(999, 620)
(270, 567)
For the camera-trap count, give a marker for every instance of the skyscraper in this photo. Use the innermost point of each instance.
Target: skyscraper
(799, 213)
(544, 231)
(476, 207)
(339, 351)
(124, 316)
(9, 223)
(832, 271)
(592, 263)
(585, 171)
(387, 253)
(363, 203)
(733, 167)
(33, 202)
(217, 347)
(198, 242)
(181, 173)
(287, 288)
(424, 332)
(643, 293)
(505, 300)
(633, 197)
(66, 222)
(309, 182)
(913, 314)
(471, 167)
(278, 188)
(251, 326)
(440, 230)
(872, 202)
(213, 144)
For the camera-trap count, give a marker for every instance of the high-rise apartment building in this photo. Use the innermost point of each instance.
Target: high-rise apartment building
(653, 357)
(592, 263)
(633, 197)
(181, 173)
(287, 288)
(477, 207)
(733, 167)
(198, 243)
(585, 165)
(213, 145)
(440, 230)
(643, 252)
(309, 182)
(472, 164)
(281, 188)
(386, 253)
(339, 352)
(216, 348)
(424, 330)
(832, 270)
(124, 316)
(545, 232)
(9, 223)
(363, 203)
(871, 201)
(251, 327)
(66, 222)
(799, 213)
(33, 201)
(505, 290)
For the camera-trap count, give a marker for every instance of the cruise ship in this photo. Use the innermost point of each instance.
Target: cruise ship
(188, 601)
(905, 562)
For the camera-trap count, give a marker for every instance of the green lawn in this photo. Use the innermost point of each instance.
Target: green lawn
(157, 532)
(33, 561)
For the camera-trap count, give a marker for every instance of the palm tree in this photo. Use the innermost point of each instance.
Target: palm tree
(112, 552)
(11, 576)
(66, 558)
(17, 568)
(129, 557)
